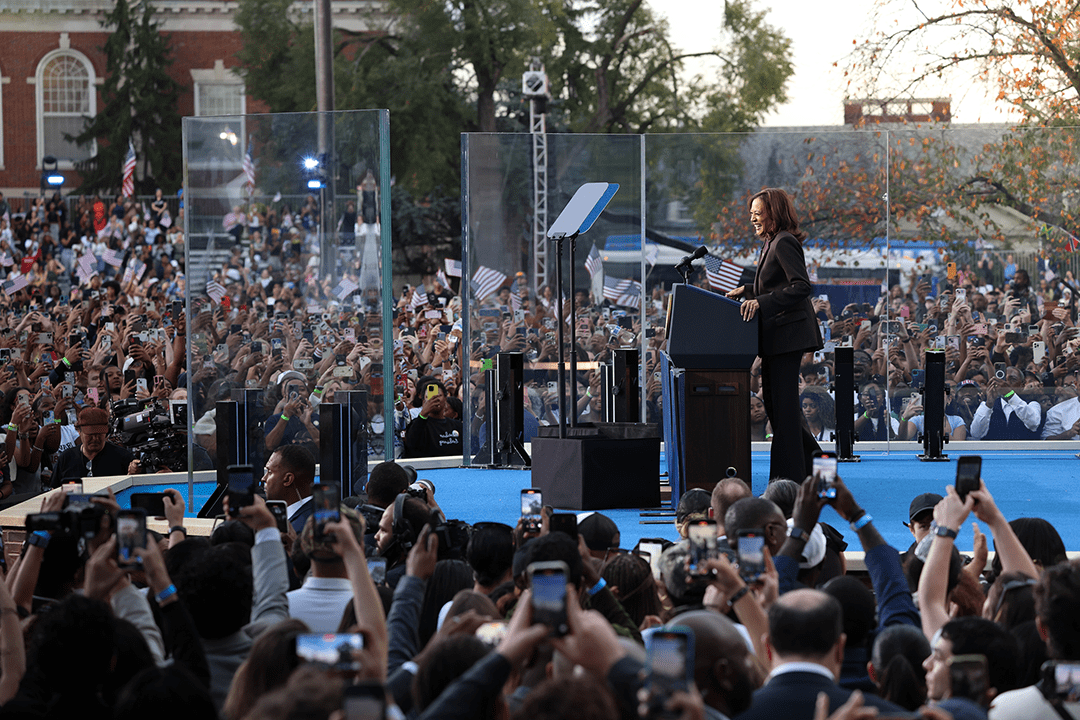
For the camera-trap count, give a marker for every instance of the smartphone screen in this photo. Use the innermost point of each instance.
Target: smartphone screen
(280, 510)
(130, 536)
(241, 488)
(669, 662)
(327, 499)
(337, 651)
(968, 472)
(1064, 679)
(565, 523)
(702, 537)
(655, 550)
(825, 474)
(969, 677)
(532, 507)
(548, 581)
(377, 569)
(153, 504)
(751, 550)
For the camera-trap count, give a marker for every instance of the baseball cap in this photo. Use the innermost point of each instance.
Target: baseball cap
(93, 419)
(922, 503)
(693, 501)
(598, 530)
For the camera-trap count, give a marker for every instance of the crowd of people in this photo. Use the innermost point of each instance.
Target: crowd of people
(95, 335)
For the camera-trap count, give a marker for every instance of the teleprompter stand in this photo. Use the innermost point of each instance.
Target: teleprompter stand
(607, 465)
(933, 436)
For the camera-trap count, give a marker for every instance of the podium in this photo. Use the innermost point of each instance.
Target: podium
(705, 381)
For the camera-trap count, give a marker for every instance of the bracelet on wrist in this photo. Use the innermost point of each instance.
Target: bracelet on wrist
(178, 528)
(739, 595)
(284, 417)
(600, 585)
(165, 594)
(861, 522)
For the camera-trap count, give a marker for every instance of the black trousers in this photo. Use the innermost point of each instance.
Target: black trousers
(793, 445)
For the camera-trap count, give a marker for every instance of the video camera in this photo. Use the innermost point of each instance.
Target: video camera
(153, 431)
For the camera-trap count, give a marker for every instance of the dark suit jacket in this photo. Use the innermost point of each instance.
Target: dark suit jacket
(786, 319)
(791, 696)
(302, 515)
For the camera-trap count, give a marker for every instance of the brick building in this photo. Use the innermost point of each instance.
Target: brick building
(51, 68)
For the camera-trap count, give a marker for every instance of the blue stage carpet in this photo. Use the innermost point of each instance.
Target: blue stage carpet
(1035, 484)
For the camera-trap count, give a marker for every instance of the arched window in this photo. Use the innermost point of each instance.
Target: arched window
(66, 97)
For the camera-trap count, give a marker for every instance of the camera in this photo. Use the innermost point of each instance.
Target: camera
(153, 432)
(418, 489)
(79, 518)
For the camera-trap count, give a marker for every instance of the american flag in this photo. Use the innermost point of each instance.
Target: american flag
(593, 263)
(113, 257)
(443, 280)
(6, 260)
(87, 267)
(485, 281)
(723, 275)
(652, 253)
(128, 183)
(419, 299)
(515, 295)
(622, 292)
(15, 284)
(453, 267)
(249, 170)
(215, 290)
(345, 288)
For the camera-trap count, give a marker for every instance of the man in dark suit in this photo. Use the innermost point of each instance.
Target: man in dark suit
(806, 645)
(787, 327)
(290, 473)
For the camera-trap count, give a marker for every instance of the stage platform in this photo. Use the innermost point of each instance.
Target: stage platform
(1025, 483)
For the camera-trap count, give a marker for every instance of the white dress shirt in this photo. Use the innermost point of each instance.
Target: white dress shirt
(1062, 417)
(1030, 414)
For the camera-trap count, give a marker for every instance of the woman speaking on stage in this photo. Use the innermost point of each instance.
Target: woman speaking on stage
(787, 327)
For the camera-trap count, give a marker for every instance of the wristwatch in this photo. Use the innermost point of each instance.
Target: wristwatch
(942, 531)
(799, 534)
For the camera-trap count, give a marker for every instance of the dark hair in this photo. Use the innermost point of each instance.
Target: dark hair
(781, 213)
(580, 698)
(897, 656)
(443, 663)
(859, 608)
(750, 512)
(490, 552)
(449, 577)
(978, 636)
(1057, 604)
(1032, 653)
(164, 693)
(1040, 539)
(421, 388)
(233, 531)
(298, 460)
(217, 589)
(632, 576)
(694, 500)
(554, 546)
(74, 645)
(782, 492)
(269, 663)
(809, 628)
(386, 481)
(1012, 599)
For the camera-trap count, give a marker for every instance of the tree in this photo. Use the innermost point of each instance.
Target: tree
(1026, 49)
(140, 100)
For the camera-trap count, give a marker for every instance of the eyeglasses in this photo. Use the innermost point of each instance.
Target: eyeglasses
(1008, 588)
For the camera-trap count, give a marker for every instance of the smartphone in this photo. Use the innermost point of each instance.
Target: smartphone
(702, 538)
(326, 499)
(303, 364)
(1038, 351)
(336, 651)
(492, 633)
(655, 550)
(153, 504)
(140, 384)
(825, 474)
(280, 510)
(548, 583)
(431, 391)
(669, 665)
(750, 546)
(130, 536)
(918, 377)
(532, 506)
(377, 569)
(968, 472)
(564, 522)
(969, 677)
(241, 488)
(1061, 681)
(364, 701)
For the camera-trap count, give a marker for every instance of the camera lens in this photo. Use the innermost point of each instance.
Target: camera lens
(1000, 374)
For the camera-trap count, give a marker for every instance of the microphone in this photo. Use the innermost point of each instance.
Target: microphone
(689, 259)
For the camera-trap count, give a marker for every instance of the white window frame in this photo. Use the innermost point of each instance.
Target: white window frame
(220, 75)
(3, 81)
(39, 101)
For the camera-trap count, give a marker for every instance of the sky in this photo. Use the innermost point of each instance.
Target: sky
(816, 91)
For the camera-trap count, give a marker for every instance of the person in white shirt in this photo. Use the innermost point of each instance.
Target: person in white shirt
(1063, 421)
(326, 592)
(1004, 415)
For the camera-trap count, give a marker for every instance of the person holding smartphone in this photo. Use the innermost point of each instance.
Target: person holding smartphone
(779, 298)
(434, 432)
